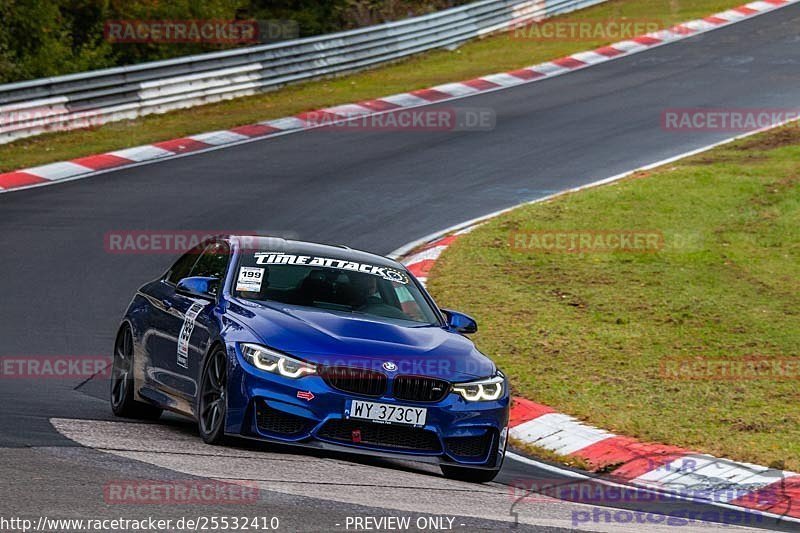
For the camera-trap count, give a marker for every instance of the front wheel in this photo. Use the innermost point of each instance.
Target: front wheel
(122, 393)
(211, 405)
(471, 475)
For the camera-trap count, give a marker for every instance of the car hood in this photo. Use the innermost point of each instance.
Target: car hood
(334, 338)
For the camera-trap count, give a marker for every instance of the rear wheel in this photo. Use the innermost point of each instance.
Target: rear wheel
(122, 393)
(211, 406)
(471, 475)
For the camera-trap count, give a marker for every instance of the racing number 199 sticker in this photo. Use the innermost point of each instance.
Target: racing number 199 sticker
(186, 334)
(250, 279)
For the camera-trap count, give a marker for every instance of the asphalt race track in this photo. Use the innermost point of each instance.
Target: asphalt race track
(63, 293)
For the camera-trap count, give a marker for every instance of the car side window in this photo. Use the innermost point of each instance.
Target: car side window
(183, 266)
(214, 261)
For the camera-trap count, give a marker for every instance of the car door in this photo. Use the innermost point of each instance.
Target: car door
(160, 342)
(185, 327)
(201, 320)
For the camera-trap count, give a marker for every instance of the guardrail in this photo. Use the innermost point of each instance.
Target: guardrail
(92, 98)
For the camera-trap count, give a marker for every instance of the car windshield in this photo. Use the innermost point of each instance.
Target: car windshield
(333, 284)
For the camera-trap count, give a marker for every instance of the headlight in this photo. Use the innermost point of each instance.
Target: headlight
(276, 362)
(484, 390)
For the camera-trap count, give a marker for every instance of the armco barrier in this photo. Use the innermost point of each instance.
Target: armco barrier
(91, 98)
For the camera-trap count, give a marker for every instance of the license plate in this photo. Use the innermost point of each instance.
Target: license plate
(384, 413)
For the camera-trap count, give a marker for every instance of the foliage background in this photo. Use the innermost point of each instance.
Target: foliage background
(41, 38)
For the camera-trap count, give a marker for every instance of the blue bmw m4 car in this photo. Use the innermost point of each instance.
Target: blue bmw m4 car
(314, 345)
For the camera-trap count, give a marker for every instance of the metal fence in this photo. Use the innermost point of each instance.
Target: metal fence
(92, 98)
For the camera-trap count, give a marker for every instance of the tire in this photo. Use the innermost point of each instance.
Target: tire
(471, 475)
(122, 387)
(211, 402)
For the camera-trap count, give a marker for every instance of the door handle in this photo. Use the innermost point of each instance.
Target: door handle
(167, 303)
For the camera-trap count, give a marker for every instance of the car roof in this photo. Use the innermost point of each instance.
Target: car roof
(294, 247)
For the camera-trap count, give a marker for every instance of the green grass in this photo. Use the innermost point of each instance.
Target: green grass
(586, 332)
(486, 56)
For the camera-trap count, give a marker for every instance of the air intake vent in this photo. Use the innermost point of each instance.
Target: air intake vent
(380, 435)
(274, 421)
(469, 446)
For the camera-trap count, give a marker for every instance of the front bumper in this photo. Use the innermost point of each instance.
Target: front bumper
(309, 412)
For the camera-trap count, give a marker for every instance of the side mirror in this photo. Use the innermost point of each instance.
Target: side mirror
(459, 322)
(198, 287)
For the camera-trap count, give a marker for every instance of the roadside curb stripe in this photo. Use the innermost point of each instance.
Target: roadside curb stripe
(558, 433)
(523, 410)
(218, 138)
(58, 171)
(12, 180)
(93, 164)
(379, 105)
(781, 497)
(182, 145)
(636, 458)
(321, 116)
(433, 95)
(569, 62)
(482, 84)
(254, 130)
(102, 161)
(142, 153)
